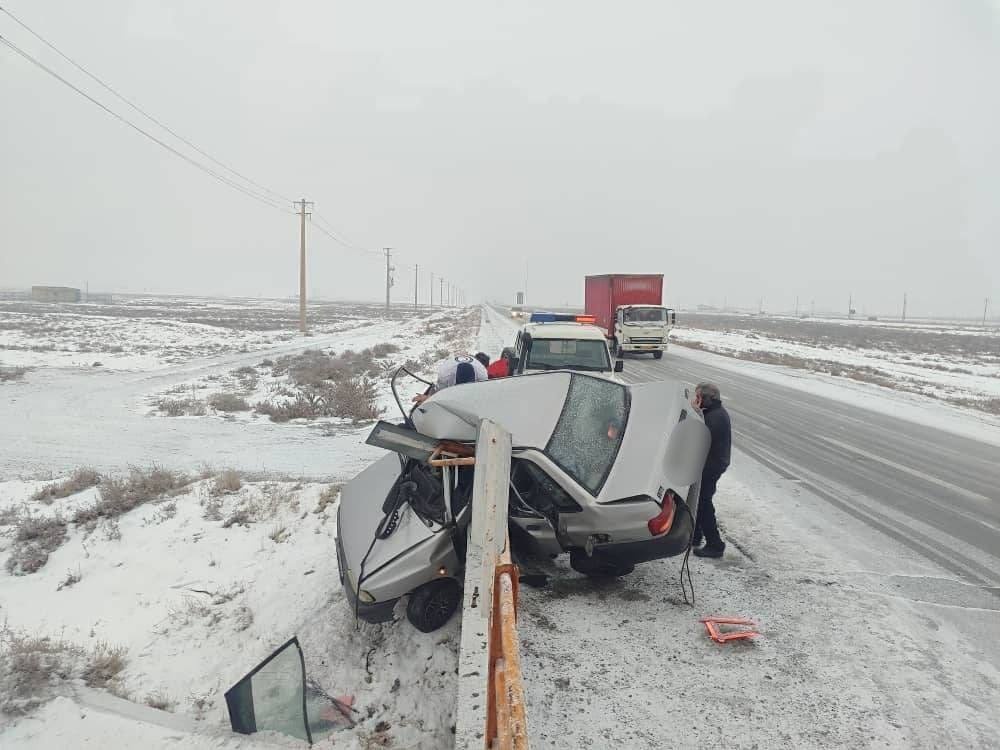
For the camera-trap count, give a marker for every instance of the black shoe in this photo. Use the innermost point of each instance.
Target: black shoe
(710, 550)
(696, 542)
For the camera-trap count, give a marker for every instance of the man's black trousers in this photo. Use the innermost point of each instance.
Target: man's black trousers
(707, 527)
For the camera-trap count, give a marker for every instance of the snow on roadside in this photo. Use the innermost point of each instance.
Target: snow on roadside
(202, 585)
(939, 373)
(909, 406)
(862, 644)
(199, 586)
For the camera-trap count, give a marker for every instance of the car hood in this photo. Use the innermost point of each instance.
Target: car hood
(527, 406)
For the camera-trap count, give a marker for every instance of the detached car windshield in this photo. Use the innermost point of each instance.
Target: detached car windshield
(569, 354)
(589, 431)
(645, 315)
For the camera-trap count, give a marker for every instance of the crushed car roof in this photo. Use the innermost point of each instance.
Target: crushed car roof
(663, 445)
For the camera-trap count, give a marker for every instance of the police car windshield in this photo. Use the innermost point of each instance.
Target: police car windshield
(590, 429)
(568, 354)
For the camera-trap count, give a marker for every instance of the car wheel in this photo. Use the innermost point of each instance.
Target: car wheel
(433, 604)
(657, 355)
(597, 566)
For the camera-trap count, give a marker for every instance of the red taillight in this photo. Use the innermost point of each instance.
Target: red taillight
(585, 319)
(662, 521)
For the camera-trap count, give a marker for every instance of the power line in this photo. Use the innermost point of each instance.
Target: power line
(193, 162)
(140, 110)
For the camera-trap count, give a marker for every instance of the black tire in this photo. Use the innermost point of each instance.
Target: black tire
(597, 566)
(657, 355)
(433, 604)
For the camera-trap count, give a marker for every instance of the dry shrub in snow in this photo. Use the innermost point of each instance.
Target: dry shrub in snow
(81, 479)
(328, 496)
(104, 665)
(119, 496)
(181, 407)
(384, 350)
(355, 399)
(34, 538)
(226, 483)
(228, 402)
(12, 373)
(72, 578)
(31, 666)
(278, 534)
(159, 701)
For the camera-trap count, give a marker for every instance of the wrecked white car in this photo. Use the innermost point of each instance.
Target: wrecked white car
(604, 471)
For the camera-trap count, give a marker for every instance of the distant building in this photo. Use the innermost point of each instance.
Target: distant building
(55, 294)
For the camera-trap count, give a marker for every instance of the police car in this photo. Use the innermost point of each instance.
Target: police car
(554, 341)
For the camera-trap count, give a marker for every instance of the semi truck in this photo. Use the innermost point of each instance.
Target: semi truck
(629, 308)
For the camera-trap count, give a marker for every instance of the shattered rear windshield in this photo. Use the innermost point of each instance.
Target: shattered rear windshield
(590, 428)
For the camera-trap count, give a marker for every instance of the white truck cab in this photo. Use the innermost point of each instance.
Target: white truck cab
(557, 342)
(642, 328)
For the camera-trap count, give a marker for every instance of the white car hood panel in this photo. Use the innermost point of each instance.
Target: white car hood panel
(527, 406)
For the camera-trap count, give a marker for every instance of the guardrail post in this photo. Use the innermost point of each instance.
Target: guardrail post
(487, 553)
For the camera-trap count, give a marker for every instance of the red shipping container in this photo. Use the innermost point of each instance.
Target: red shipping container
(605, 294)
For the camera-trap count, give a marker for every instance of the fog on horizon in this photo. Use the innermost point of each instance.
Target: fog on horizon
(771, 151)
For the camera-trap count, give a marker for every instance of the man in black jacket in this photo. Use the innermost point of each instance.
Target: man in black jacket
(709, 400)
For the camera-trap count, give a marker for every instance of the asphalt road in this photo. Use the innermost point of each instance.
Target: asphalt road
(935, 492)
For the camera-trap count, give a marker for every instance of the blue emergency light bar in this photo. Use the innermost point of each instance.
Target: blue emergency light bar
(547, 317)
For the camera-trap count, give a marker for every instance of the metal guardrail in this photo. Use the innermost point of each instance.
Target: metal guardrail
(491, 707)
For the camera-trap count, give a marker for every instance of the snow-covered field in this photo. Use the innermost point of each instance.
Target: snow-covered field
(198, 587)
(197, 584)
(863, 644)
(142, 333)
(956, 364)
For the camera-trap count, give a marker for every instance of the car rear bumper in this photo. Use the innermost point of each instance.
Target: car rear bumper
(671, 544)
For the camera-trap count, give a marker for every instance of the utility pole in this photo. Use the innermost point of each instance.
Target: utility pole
(441, 293)
(388, 274)
(432, 289)
(416, 283)
(904, 307)
(850, 306)
(796, 306)
(986, 306)
(302, 261)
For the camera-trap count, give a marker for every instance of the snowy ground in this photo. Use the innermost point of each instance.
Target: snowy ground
(863, 643)
(142, 333)
(269, 574)
(197, 603)
(59, 418)
(947, 362)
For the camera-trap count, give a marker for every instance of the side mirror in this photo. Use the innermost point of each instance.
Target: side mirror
(619, 365)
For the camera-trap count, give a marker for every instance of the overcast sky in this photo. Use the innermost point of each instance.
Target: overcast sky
(744, 150)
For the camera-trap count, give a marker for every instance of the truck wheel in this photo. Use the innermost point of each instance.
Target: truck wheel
(657, 355)
(433, 604)
(597, 566)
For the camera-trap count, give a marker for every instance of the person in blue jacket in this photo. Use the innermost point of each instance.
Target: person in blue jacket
(709, 399)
